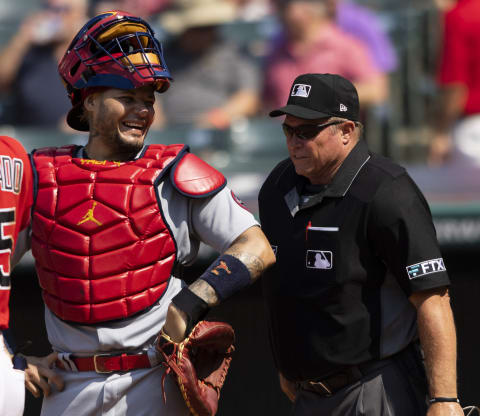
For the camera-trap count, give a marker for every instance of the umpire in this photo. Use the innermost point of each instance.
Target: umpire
(359, 290)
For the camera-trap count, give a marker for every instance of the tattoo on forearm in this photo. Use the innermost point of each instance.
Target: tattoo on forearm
(243, 249)
(254, 264)
(203, 290)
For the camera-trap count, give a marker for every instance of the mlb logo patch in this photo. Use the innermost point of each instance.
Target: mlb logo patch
(319, 259)
(426, 267)
(301, 90)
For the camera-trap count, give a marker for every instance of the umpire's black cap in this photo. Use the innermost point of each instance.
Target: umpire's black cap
(315, 96)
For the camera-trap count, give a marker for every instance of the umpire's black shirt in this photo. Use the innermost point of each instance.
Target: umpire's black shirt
(348, 257)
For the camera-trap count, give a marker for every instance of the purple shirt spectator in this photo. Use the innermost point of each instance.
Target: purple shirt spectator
(364, 25)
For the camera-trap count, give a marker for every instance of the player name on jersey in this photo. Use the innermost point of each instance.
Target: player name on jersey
(11, 171)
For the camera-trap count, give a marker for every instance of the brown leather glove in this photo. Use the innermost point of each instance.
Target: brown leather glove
(199, 364)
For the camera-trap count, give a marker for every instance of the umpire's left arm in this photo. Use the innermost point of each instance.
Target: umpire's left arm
(436, 330)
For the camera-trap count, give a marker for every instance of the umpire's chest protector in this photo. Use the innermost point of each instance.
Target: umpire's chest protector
(101, 245)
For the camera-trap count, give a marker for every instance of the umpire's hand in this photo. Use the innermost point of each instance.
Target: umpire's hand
(288, 387)
(39, 375)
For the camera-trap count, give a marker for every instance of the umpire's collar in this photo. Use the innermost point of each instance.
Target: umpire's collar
(292, 185)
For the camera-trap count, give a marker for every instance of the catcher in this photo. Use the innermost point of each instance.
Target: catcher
(112, 222)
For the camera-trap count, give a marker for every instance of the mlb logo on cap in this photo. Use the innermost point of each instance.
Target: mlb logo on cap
(316, 96)
(301, 90)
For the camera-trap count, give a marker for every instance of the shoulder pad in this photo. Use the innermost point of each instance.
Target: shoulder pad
(193, 177)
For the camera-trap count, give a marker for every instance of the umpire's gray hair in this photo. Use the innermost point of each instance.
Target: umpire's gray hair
(358, 126)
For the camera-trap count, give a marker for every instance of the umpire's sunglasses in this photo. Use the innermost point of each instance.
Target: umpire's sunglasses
(307, 131)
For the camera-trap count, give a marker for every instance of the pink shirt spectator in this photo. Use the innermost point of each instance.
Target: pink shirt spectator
(334, 52)
(460, 57)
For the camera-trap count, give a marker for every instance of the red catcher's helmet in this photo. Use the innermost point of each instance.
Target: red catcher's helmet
(115, 50)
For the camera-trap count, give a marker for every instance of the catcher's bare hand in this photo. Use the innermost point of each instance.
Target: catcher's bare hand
(175, 324)
(39, 375)
(287, 387)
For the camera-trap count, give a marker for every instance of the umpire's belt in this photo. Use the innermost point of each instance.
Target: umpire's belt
(104, 363)
(345, 377)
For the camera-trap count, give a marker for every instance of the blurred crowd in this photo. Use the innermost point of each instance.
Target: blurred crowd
(236, 59)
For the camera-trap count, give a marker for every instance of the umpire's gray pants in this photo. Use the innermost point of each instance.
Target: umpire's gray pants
(396, 389)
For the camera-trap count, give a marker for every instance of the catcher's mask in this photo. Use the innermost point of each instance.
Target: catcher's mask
(115, 50)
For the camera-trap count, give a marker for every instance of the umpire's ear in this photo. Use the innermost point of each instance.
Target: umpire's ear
(347, 129)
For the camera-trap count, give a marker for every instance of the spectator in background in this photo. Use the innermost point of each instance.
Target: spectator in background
(30, 59)
(142, 8)
(364, 25)
(253, 10)
(445, 5)
(312, 43)
(457, 120)
(96, 7)
(214, 82)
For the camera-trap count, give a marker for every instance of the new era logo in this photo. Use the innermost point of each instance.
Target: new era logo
(343, 107)
(301, 90)
(319, 259)
(425, 267)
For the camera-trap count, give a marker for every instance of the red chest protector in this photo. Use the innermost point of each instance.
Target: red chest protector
(101, 246)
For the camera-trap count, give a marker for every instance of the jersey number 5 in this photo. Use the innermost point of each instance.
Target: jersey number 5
(7, 218)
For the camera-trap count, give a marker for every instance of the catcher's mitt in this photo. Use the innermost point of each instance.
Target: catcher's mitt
(200, 364)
